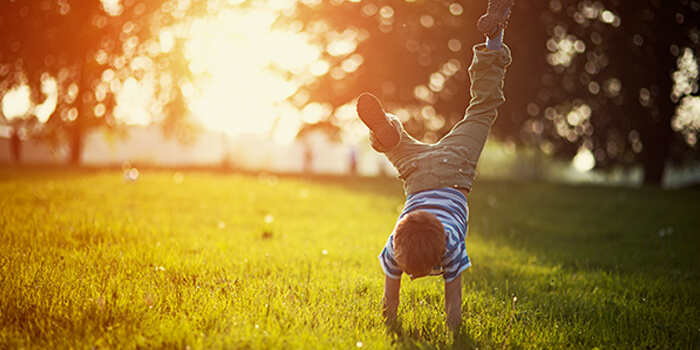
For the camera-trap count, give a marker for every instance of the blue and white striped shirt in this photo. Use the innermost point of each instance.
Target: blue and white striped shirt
(450, 207)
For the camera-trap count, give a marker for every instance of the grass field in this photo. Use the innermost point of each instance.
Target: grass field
(205, 260)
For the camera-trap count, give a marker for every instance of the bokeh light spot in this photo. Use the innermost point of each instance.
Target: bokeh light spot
(584, 160)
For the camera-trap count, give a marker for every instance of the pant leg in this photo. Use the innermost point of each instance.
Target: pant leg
(402, 154)
(486, 72)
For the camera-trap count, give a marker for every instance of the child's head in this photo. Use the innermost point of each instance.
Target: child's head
(419, 243)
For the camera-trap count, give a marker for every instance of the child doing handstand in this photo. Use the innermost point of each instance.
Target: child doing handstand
(429, 237)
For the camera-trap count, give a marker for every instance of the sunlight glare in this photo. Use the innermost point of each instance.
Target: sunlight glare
(112, 7)
(134, 105)
(16, 102)
(584, 160)
(685, 88)
(240, 61)
(50, 89)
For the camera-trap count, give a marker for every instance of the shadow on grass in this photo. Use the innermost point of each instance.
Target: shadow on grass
(619, 230)
(582, 261)
(588, 257)
(412, 338)
(462, 341)
(625, 231)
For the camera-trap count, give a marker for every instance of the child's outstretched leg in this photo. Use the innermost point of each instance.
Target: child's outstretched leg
(486, 72)
(372, 114)
(494, 21)
(388, 136)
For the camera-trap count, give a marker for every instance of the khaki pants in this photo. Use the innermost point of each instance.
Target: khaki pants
(451, 162)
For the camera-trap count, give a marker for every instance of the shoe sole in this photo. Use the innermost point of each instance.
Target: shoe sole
(495, 17)
(372, 114)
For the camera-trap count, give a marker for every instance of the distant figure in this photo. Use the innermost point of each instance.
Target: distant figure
(353, 161)
(429, 237)
(308, 159)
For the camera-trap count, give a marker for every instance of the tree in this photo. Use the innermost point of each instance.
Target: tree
(592, 75)
(18, 127)
(88, 49)
(615, 63)
(412, 55)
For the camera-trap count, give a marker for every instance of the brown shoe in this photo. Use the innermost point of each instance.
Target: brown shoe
(496, 17)
(372, 114)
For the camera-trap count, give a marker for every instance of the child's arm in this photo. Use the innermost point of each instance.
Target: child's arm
(453, 302)
(390, 300)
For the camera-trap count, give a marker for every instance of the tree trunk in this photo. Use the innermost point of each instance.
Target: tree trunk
(76, 142)
(80, 125)
(15, 147)
(654, 160)
(658, 135)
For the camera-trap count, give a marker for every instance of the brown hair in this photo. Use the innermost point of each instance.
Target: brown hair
(419, 242)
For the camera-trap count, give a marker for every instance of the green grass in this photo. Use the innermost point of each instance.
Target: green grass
(233, 261)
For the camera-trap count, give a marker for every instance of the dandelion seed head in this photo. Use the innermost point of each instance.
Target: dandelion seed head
(131, 175)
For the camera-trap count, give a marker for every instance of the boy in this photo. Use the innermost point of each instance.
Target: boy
(429, 237)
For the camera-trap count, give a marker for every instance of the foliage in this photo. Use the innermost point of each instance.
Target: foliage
(412, 55)
(610, 85)
(89, 50)
(593, 75)
(215, 260)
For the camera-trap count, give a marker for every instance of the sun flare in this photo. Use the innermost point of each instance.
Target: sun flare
(238, 59)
